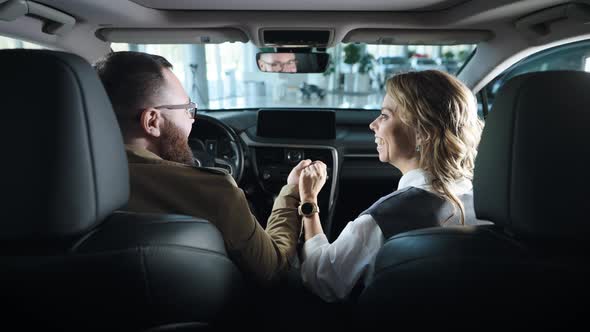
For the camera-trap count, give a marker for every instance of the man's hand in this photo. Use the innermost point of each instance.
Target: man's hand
(312, 179)
(296, 172)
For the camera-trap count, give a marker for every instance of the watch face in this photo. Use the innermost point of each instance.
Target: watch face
(306, 208)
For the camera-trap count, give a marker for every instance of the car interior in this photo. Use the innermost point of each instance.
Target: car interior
(75, 259)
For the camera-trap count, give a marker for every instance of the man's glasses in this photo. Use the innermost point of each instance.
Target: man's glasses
(190, 108)
(280, 65)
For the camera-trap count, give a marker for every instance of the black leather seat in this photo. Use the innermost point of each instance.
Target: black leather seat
(68, 260)
(531, 180)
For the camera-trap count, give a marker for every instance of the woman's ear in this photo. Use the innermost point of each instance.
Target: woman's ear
(418, 141)
(151, 122)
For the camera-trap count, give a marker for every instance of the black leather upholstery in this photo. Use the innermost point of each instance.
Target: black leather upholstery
(67, 168)
(132, 272)
(530, 181)
(461, 276)
(69, 261)
(530, 175)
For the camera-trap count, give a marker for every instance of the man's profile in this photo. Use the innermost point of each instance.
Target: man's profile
(156, 115)
(277, 62)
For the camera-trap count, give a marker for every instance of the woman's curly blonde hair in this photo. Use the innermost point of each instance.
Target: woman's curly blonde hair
(443, 112)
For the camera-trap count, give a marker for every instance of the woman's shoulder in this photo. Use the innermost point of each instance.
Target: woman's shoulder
(407, 209)
(401, 195)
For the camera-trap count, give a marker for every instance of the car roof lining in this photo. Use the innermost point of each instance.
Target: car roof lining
(493, 23)
(304, 5)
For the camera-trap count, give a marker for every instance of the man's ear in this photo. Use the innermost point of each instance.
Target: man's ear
(151, 122)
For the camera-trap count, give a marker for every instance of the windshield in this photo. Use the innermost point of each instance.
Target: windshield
(226, 76)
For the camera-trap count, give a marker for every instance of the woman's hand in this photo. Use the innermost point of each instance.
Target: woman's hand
(311, 181)
(296, 172)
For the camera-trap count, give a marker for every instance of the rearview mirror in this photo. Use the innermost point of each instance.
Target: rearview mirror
(292, 62)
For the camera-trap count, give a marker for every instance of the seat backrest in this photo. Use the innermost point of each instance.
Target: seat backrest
(531, 265)
(69, 261)
(530, 177)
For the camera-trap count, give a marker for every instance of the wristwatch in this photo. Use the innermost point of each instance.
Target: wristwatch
(308, 209)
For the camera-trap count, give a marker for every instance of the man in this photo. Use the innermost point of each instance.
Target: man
(156, 116)
(277, 62)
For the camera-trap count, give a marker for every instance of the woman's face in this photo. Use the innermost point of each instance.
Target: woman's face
(396, 142)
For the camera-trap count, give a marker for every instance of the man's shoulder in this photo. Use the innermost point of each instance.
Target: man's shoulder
(212, 181)
(139, 158)
(211, 170)
(173, 168)
(208, 176)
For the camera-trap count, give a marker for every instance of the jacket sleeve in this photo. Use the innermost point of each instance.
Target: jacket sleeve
(263, 254)
(216, 197)
(284, 225)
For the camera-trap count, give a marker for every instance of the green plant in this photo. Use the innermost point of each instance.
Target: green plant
(330, 69)
(463, 55)
(449, 55)
(352, 54)
(366, 63)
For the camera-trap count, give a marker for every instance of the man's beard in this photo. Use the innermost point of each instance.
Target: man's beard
(174, 145)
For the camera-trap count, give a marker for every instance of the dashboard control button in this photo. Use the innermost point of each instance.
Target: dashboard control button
(294, 156)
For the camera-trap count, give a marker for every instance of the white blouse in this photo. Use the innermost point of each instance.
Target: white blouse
(331, 270)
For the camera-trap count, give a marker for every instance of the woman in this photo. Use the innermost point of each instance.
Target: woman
(429, 130)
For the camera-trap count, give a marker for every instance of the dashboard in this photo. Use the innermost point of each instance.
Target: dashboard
(260, 164)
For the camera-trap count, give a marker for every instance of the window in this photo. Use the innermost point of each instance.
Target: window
(10, 43)
(225, 76)
(573, 56)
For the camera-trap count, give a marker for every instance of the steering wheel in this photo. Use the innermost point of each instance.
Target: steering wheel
(233, 163)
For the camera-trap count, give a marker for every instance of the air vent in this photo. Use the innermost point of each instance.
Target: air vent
(324, 155)
(296, 38)
(269, 156)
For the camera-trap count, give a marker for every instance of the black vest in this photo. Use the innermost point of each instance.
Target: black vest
(413, 208)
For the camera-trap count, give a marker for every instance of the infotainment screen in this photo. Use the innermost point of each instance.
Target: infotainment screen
(312, 124)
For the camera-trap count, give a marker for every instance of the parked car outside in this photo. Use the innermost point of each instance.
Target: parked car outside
(391, 65)
(450, 65)
(425, 64)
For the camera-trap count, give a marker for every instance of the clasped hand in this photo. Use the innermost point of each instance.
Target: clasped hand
(310, 177)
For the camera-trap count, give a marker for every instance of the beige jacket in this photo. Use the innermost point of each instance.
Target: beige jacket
(161, 186)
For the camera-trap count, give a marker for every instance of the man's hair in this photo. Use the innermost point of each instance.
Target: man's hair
(132, 80)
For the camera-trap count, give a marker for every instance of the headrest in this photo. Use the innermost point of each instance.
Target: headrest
(65, 167)
(529, 173)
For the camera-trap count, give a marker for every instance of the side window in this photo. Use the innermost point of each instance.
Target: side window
(9, 43)
(482, 104)
(574, 56)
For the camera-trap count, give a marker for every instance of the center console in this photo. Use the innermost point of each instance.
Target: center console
(283, 138)
(274, 163)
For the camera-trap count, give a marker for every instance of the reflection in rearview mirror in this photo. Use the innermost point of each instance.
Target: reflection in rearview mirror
(292, 62)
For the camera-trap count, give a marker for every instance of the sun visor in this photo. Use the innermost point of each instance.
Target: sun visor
(55, 22)
(542, 23)
(172, 36)
(417, 36)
